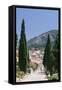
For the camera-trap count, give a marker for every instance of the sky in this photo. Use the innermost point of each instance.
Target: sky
(37, 21)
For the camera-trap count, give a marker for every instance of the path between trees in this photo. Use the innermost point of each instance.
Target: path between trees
(37, 75)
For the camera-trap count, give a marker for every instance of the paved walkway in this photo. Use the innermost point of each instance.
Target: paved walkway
(37, 75)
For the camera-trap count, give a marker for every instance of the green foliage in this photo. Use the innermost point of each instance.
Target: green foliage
(53, 77)
(52, 56)
(28, 61)
(20, 74)
(56, 53)
(23, 57)
(33, 66)
(47, 56)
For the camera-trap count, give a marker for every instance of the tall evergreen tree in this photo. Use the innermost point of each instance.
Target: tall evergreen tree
(23, 49)
(47, 56)
(56, 53)
(28, 59)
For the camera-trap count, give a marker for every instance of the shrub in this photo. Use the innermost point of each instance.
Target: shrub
(53, 77)
(33, 66)
(20, 74)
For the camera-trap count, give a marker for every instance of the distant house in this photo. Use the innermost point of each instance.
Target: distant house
(35, 56)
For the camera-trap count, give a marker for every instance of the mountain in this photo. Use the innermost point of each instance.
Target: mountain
(40, 41)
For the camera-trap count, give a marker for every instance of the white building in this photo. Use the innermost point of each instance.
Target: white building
(35, 56)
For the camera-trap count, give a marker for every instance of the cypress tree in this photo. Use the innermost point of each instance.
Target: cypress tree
(47, 56)
(56, 52)
(28, 60)
(23, 49)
